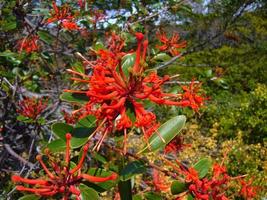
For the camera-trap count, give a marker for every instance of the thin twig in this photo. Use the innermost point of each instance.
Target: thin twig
(14, 154)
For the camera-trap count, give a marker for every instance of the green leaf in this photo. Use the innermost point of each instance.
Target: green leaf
(82, 130)
(125, 190)
(127, 62)
(10, 25)
(24, 119)
(46, 36)
(133, 168)
(61, 129)
(178, 187)
(57, 145)
(98, 45)
(88, 193)
(161, 57)
(167, 131)
(152, 196)
(79, 68)
(203, 167)
(190, 197)
(80, 133)
(137, 197)
(74, 98)
(29, 197)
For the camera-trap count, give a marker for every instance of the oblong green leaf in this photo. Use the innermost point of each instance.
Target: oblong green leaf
(61, 129)
(178, 187)
(45, 36)
(30, 197)
(57, 145)
(133, 168)
(127, 62)
(88, 193)
(203, 166)
(162, 57)
(166, 132)
(74, 98)
(80, 132)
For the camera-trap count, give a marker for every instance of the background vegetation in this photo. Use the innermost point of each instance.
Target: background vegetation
(226, 51)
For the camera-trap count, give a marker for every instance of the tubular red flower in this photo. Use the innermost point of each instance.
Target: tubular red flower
(111, 91)
(28, 44)
(63, 180)
(67, 155)
(31, 107)
(39, 158)
(16, 178)
(171, 45)
(96, 179)
(80, 164)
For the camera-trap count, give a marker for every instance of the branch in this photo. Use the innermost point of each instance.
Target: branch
(14, 154)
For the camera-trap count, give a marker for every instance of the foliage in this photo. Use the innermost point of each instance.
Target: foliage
(166, 99)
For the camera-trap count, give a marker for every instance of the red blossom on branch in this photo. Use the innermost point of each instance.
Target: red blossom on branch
(63, 179)
(31, 107)
(159, 181)
(192, 97)
(176, 145)
(111, 91)
(248, 191)
(205, 188)
(171, 45)
(28, 44)
(62, 15)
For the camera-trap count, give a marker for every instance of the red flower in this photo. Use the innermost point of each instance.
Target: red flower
(175, 145)
(190, 96)
(69, 25)
(204, 188)
(111, 91)
(31, 107)
(248, 191)
(63, 16)
(81, 3)
(159, 181)
(172, 44)
(28, 44)
(97, 15)
(63, 180)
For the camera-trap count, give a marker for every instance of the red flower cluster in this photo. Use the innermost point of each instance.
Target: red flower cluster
(31, 107)
(28, 44)
(97, 15)
(175, 145)
(248, 191)
(159, 181)
(191, 96)
(214, 187)
(113, 93)
(171, 45)
(63, 16)
(63, 180)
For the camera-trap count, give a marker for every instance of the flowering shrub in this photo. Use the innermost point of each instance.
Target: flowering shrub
(102, 109)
